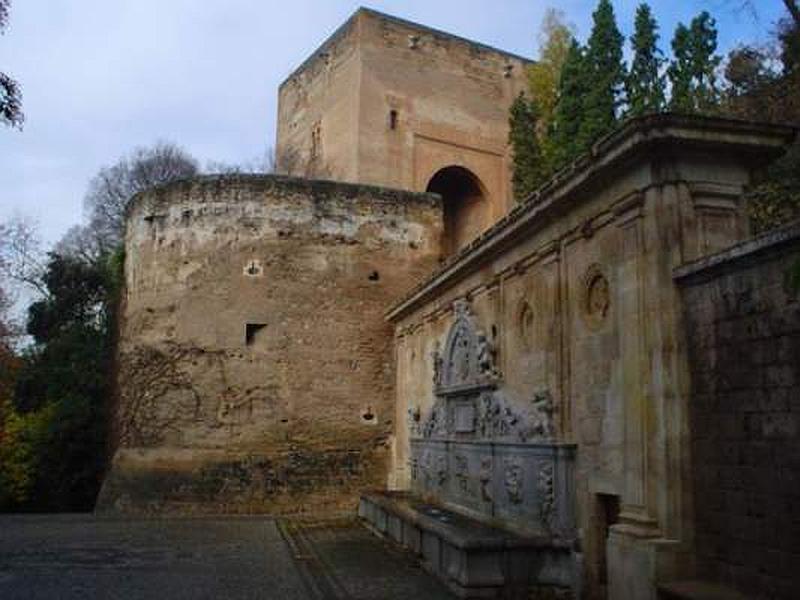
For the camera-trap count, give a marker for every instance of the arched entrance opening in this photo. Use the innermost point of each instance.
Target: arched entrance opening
(465, 205)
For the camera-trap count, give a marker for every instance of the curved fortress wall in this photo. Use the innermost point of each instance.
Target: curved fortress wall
(255, 370)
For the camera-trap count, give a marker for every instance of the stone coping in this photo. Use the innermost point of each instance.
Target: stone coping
(344, 27)
(730, 258)
(318, 189)
(455, 528)
(637, 137)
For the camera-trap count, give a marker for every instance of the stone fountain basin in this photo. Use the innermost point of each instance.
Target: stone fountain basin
(475, 559)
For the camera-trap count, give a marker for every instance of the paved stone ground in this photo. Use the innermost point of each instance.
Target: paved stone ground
(69, 557)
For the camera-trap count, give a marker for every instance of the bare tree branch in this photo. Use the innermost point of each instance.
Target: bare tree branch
(113, 187)
(21, 255)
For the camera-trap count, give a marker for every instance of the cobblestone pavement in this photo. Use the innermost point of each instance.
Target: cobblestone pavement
(70, 557)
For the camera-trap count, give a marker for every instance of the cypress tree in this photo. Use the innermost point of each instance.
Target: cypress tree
(680, 71)
(569, 113)
(606, 75)
(705, 62)
(529, 168)
(645, 84)
(692, 71)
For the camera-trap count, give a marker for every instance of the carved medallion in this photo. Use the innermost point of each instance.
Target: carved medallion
(596, 296)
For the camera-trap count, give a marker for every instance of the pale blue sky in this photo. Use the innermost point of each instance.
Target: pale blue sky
(103, 76)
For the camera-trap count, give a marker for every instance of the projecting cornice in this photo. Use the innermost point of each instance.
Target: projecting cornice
(637, 140)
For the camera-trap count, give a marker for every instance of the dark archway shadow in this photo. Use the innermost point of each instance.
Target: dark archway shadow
(465, 205)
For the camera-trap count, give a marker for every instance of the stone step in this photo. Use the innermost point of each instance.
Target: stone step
(475, 559)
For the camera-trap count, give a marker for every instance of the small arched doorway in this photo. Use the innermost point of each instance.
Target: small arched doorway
(465, 206)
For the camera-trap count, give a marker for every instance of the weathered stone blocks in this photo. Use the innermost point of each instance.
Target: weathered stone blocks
(254, 359)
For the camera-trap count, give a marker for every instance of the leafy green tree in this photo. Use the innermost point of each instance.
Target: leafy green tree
(606, 75)
(529, 168)
(776, 201)
(23, 437)
(544, 74)
(569, 114)
(645, 84)
(752, 88)
(692, 71)
(58, 414)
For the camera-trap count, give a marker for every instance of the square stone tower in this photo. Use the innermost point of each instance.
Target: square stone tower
(387, 102)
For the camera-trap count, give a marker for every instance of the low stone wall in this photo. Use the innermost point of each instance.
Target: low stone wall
(254, 363)
(743, 325)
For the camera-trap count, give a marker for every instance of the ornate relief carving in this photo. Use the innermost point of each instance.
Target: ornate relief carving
(495, 419)
(441, 470)
(436, 423)
(513, 480)
(438, 363)
(433, 469)
(426, 468)
(546, 491)
(487, 416)
(542, 424)
(485, 479)
(469, 357)
(461, 472)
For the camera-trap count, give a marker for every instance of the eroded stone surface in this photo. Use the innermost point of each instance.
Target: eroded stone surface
(255, 363)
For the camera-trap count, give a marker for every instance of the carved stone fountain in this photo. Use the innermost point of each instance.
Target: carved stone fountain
(477, 453)
(487, 475)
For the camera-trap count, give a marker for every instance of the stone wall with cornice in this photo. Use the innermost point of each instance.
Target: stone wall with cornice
(574, 291)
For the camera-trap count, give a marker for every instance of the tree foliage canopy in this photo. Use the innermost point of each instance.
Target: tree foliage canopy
(10, 93)
(529, 168)
(573, 89)
(588, 97)
(645, 82)
(606, 75)
(544, 75)
(692, 71)
(54, 421)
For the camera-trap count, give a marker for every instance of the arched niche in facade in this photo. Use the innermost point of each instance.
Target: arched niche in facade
(465, 204)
